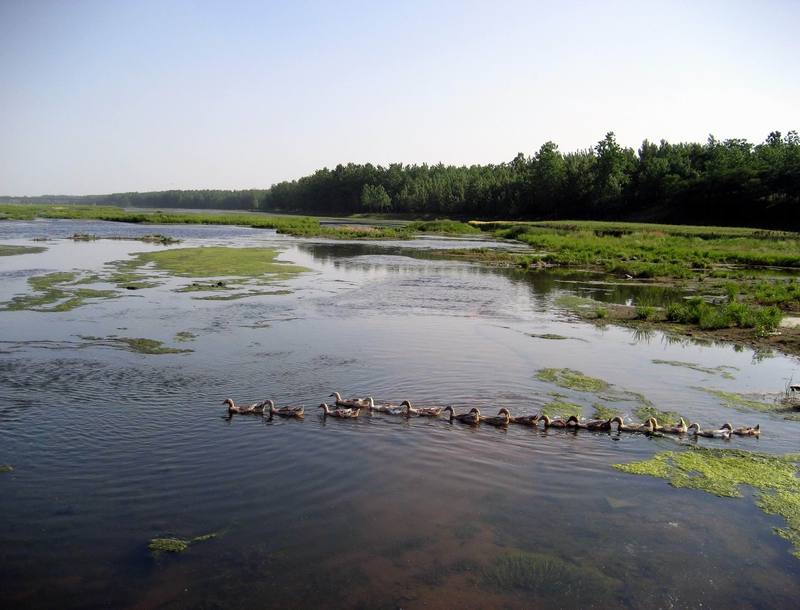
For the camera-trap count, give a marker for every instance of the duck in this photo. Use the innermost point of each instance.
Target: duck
(356, 403)
(721, 433)
(298, 412)
(257, 408)
(745, 431)
(343, 413)
(502, 418)
(554, 423)
(525, 420)
(421, 411)
(473, 417)
(648, 426)
(679, 428)
(389, 409)
(592, 424)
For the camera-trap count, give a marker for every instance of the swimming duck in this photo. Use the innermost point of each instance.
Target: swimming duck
(554, 423)
(357, 403)
(678, 428)
(525, 420)
(340, 412)
(298, 412)
(721, 433)
(745, 431)
(257, 408)
(592, 424)
(473, 417)
(421, 411)
(648, 426)
(389, 409)
(501, 419)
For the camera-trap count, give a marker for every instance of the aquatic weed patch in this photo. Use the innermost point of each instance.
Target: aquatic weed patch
(138, 345)
(645, 412)
(175, 545)
(185, 335)
(572, 379)
(722, 472)
(56, 292)
(561, 408)
(750, 402)
(547, 575)
(7, 250)
(218, 261)
(5, 468)
(723, 370)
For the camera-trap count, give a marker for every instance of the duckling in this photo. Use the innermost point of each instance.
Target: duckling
(421, 411)
(389, 409)
(648, 426)
(592, 424)
(554, 423)
(257, 408)
(721, 433)
(501, 419)
(357, 403)
(745, 431)
(525, 420)
(344, 413)
(678, 428)
(472, 418)
(298, 412)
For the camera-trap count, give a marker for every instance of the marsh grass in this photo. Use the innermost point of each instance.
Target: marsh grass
(722, 472)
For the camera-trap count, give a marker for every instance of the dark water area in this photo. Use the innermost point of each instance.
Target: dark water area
(112, 448)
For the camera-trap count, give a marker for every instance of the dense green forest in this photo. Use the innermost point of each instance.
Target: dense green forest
(730, 182)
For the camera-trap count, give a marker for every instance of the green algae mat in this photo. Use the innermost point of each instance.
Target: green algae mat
(722, 472)
(246, 271)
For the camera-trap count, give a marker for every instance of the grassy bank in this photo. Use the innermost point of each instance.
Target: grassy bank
(298, 226)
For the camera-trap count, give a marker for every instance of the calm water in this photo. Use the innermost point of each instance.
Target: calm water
(112, 448)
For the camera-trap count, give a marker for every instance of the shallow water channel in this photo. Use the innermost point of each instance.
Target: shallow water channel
(111, 448)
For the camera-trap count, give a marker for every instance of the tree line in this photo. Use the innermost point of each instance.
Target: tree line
(729, 182)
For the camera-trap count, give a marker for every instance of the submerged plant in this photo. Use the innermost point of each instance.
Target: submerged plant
(176, 545)
(546, 574)
(722, 472)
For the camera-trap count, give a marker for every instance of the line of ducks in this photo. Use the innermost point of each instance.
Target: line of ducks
(351, 407)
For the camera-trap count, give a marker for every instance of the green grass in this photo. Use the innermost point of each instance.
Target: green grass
(443, 226)
(722, 472)
(728, 315)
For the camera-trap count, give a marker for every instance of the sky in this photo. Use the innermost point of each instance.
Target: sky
(113, 96)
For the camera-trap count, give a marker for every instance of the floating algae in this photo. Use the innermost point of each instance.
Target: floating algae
(176, 545)
(6, 250)
(645, 412)
(604, 412)
(4, 468)
(560, 408)
(185, 335)
(135, 344)
(723, 370)
(57, 290)
(550, 336)
(572, 379)
(721, 472)
(243, 295)
(745, 402)
(548, 575)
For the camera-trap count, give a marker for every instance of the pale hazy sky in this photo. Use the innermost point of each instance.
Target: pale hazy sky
(108, 96)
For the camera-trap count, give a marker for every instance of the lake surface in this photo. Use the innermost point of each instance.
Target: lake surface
(112, 448)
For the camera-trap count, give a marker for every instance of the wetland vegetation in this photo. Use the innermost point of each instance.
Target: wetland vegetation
(722, 472)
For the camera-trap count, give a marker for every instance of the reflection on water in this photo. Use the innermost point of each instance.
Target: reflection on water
(112, 448)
